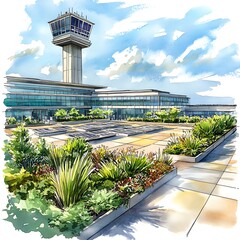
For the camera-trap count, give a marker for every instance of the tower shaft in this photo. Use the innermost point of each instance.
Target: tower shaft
(72, 64)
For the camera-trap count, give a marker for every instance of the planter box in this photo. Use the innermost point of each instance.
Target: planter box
(111, 215)
(202, 155)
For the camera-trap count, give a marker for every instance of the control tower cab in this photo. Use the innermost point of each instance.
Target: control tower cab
(71, 32)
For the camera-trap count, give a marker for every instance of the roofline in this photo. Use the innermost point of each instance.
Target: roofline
(138, 91)
(75, 14)
(204, 105)
(50, 82)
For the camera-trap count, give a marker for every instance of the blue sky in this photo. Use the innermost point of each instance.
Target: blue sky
(185, 47)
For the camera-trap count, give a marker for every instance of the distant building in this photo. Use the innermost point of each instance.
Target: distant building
(39, 99)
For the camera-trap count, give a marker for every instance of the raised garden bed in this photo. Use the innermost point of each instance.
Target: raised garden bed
(202, 155)
(111, 215)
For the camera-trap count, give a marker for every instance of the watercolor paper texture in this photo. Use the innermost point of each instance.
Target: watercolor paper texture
(183, 47)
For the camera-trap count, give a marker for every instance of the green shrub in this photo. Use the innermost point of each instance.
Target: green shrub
(103, 200)
(20, 147)
(11, 120)
(71, 180)
(111, 171)
(74, 218)
(133, 164)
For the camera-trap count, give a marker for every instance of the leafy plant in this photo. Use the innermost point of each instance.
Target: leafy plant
(133, 164)
(75, 147)
(71, 180)
(16, 180)
(11, 120)
(103, 200)
(73, 112)
(111, 171)
(73, 218)
(61, 114)
(20, 147)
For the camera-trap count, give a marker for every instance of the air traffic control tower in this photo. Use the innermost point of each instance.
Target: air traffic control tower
(71, 31)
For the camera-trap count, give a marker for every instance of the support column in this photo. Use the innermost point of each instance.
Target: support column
(72, 64)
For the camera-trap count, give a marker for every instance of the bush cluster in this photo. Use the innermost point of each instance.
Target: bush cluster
(62, 182)
(204, 133)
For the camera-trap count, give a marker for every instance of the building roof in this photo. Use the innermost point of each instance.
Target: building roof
(50, 82)
(109, 92)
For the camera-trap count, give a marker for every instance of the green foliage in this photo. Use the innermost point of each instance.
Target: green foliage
(75, 147)
(149, 114)
(74, 218)
(111, 171)
(11, 120)
(162, 115)
(20, 147)
(16, 180)
(71, 180)
(133, 164)
(124, 164)
(173, 114)
(72, 149)
(73, 112)
(96, 113)
(102, 154)
(103, 200)
(61, 114)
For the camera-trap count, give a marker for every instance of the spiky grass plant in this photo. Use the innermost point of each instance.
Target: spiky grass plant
(71, 180)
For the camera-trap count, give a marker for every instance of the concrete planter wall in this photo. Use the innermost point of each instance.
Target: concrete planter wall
(202, 155)
(111, 215)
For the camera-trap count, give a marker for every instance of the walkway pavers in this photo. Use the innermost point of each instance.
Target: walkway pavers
(201, 201)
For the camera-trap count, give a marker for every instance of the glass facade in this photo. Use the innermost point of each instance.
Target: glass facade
(72, 24)
(138, 103)
(40, 101)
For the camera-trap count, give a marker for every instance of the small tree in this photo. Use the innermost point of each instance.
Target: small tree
(149, 114)
(96, 113)
(60, 114)
(11, 120)
(173, 114)
(108, 113)
(20, 147)
(163, 115)
(73, 112)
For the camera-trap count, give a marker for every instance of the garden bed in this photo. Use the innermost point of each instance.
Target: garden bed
(111, 215)
(202, 155)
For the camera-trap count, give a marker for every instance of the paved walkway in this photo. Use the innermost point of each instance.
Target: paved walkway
(201, 201)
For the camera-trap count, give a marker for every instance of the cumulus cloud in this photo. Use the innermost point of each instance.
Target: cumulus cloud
(47, 70)
(155, 57)
(123, 62)
(177, 34)
(200, 43)
(35, 48)
(136, 79)
(57, 2)
(227, 85)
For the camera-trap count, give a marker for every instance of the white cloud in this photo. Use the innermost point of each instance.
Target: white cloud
(17, 23)
(177, 34)
(227, 87)
(199, 43)
(47, 70)
(123, 61)
(156, 58)
(57, 2)
(136, 79)
(160, 33)
(35, 48)
(179, 75)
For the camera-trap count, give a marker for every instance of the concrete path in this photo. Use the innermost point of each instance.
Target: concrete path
(201, 201)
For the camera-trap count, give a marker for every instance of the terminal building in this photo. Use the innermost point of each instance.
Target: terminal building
(39, 99)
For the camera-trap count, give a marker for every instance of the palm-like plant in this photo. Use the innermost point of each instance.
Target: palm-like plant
(71, 180)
